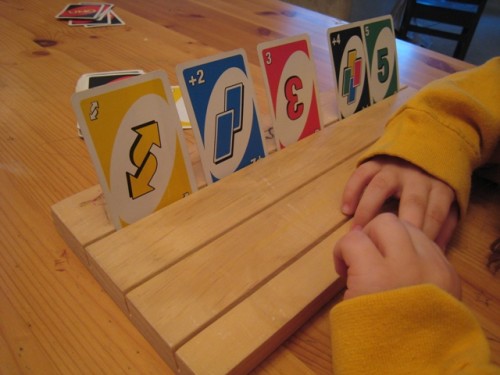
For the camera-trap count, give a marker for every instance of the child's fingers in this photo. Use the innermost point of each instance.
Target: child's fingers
(435, 268)
(381, 187)
(441, 198)
(448, 227)
(391, 237)
(355, 252)
(355, 186)
(413, 203)
(359, 262)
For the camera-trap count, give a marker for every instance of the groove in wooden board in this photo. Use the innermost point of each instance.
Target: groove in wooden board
(179, 302)
(243, 336)
(130, 257)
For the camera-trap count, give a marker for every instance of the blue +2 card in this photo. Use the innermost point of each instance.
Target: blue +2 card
(220, 102)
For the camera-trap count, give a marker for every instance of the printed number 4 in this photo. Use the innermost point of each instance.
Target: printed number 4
(336, 40)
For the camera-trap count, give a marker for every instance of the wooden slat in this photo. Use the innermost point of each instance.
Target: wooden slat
(81, 220)
(179, 302)
(232, 344)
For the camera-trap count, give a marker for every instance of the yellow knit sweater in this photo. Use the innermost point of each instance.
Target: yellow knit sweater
(450, 128)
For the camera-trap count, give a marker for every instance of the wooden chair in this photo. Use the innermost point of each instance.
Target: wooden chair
(462, 13)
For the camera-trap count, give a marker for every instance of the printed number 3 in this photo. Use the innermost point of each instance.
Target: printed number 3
(294, 108)
(268, 58)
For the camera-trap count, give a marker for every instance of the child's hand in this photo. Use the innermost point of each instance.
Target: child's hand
(425, 202)
(389, 254)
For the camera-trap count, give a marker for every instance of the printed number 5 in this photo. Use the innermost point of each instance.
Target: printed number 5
(383, 65)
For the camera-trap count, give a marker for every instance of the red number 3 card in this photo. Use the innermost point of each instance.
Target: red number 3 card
(291, 83)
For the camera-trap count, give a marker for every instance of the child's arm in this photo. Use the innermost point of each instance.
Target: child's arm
(451, 127)
(401, 314)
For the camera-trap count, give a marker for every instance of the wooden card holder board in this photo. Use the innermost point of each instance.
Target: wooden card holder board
(218, 280)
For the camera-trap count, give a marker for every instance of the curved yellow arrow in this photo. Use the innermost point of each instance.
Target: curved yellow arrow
(141, 156)
(138, 184)
(148, 135)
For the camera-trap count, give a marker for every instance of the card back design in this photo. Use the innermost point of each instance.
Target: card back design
(81, 11)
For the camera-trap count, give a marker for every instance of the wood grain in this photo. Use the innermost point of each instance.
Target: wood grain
(238, 340)
(54, 317)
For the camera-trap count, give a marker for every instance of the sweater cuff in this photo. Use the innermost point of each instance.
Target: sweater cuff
(418, 329)
(414, 136)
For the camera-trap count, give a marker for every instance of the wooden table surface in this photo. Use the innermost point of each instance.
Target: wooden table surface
(54, 316)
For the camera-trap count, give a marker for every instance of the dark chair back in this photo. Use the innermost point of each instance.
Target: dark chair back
(462, 13)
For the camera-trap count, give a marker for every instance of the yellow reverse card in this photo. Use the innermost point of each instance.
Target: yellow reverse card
(134, 136)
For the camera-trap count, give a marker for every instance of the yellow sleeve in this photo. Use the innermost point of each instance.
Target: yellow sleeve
(413, 330)
(449, 128)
